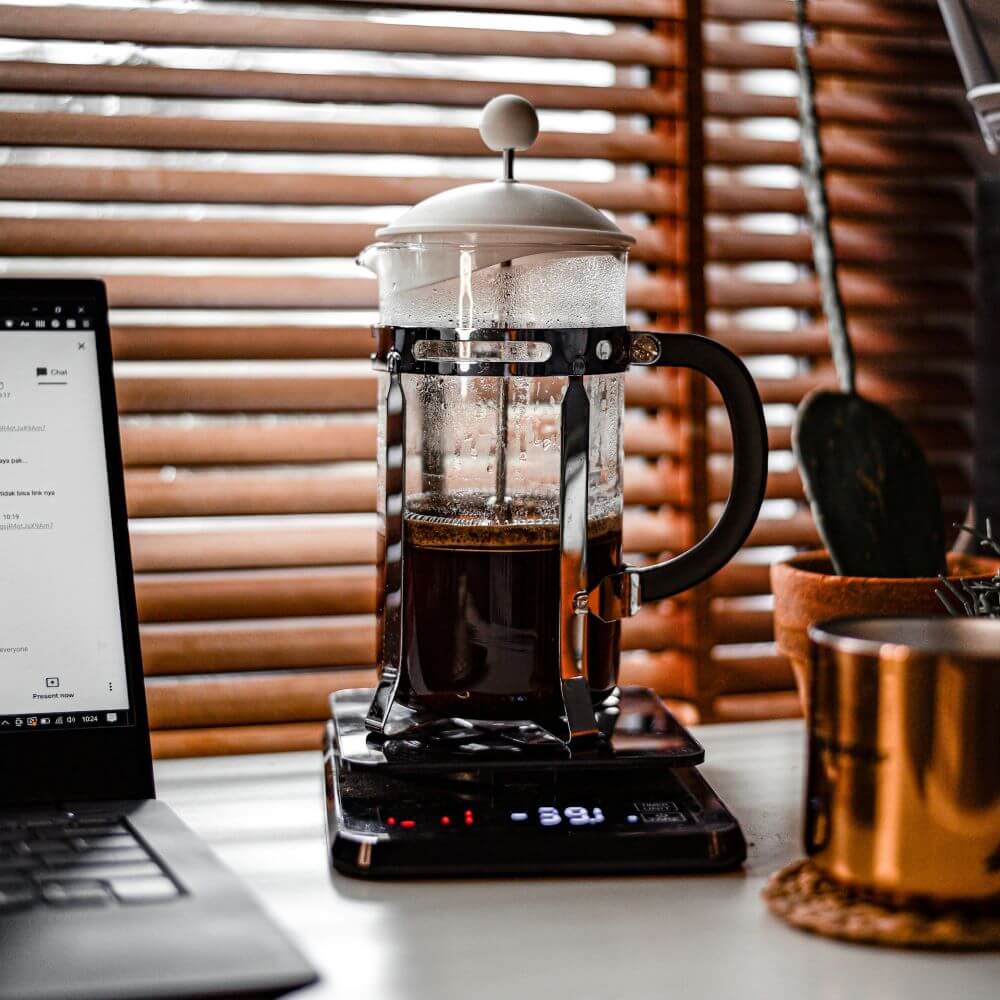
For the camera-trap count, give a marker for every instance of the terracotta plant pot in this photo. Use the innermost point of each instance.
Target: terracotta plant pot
(806, 591)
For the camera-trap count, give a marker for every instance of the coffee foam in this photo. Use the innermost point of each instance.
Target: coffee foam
(469, 521)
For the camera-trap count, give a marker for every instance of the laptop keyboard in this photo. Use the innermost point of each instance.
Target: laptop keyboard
(76, 859)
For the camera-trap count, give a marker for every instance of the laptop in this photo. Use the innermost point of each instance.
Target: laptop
(103, 891)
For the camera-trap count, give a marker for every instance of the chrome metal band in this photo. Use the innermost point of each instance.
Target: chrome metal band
(390, 514)
(571, 351)
(575, 460)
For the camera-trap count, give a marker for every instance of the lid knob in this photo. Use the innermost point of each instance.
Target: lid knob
(509, 122)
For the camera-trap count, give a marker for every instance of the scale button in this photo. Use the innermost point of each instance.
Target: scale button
(519, 817)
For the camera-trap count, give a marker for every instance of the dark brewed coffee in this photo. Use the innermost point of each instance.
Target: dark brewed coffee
(481, 617)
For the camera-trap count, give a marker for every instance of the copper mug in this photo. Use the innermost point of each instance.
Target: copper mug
(903, 795)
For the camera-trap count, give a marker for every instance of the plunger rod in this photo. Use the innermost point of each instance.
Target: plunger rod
(500, 498)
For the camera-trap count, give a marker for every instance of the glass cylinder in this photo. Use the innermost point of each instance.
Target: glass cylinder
(480, 612)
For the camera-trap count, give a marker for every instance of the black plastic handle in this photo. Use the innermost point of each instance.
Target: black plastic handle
(746, 417)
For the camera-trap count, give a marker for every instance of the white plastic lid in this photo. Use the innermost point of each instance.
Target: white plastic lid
(505, 210)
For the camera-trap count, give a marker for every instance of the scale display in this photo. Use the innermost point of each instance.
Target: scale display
(387, 821)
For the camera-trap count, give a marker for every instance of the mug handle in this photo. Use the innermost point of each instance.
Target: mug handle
(622, 594)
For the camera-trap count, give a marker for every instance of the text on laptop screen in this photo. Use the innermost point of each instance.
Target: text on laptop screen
(62, 657)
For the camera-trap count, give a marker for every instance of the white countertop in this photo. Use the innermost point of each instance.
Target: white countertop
(672, 937)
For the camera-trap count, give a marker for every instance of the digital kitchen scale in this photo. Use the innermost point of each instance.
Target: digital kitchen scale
(462, 801)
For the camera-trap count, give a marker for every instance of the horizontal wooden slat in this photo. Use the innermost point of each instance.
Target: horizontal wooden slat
(942, 434)
(854, 243)
(734, 625)
(747, 674)
(347, 487)
(639, 10)
(850, 195)
(659, 293)
(887, 108)
(76, 237)
(911, 60)
(869, 105)
(264, 644)
(237, 740)
(367, 89)
(756, 707)
(355, 389)
(162, 132)
(898, 200)
(871, 338)
(259, 593)
(876, 339)
(896, 388)
(169, 185)
(162, 343)
(241, 700)
(156, 237)
(336, 540)
(351, 489)
(741, 579)
(798, 529)
(350, 389)
(264, 440)
(861, 149)
(164, 27)
(862, 15)
(306, 439)
(865, 290)
(953, 481)
(271, 544)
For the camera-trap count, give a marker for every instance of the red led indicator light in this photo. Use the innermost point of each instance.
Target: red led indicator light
(391, 821)
(408, 824)
(446, 821)
(468, 819)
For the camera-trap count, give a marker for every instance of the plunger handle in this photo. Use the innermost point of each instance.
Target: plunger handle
(509, 123)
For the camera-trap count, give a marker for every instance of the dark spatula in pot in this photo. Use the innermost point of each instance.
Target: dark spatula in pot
(872, 493)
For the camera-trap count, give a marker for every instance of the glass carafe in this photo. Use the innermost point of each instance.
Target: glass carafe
(502, 348)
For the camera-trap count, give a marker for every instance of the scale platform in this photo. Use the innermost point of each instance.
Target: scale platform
(469, 803)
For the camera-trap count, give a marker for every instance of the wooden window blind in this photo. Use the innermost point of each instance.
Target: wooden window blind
(898, 146)
(221, 164)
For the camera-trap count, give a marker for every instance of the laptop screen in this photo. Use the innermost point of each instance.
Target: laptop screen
(62, 654)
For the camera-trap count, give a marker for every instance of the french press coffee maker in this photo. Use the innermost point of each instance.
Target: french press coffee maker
(502, 348)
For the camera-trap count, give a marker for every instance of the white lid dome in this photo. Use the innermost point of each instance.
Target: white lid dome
(506, 210)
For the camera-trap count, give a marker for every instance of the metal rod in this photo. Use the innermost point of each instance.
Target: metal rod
(500, 499)
(574, 431)
(508, 164)
(391, 508)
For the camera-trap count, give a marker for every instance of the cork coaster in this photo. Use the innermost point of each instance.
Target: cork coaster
(801, 895)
